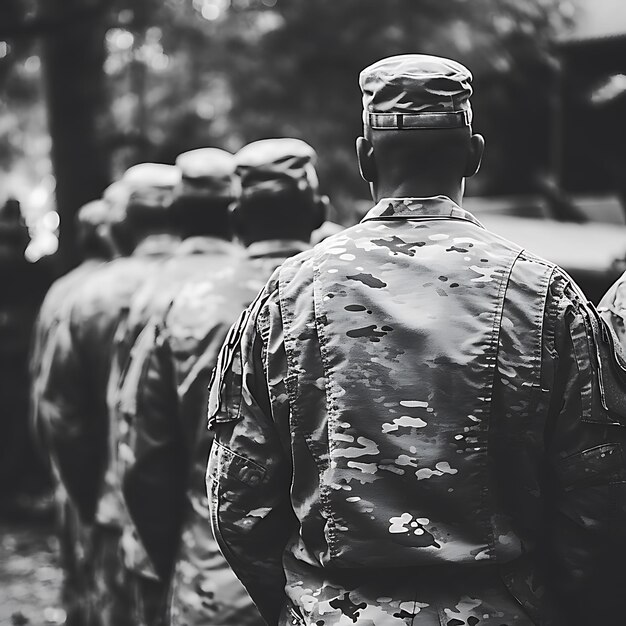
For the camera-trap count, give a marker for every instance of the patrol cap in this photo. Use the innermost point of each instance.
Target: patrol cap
(206, 172)
(270, 166)
(416, 91)
(150, 185)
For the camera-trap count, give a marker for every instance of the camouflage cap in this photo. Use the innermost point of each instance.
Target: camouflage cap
(413, 91)
(273, 165)
(151, 185)
(206, 172)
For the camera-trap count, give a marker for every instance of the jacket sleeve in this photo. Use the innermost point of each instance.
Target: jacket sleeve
(585, 444)
(249, 473)
(154, 475)
(74, 431)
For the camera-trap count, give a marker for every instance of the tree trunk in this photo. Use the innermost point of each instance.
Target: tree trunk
(73, 55)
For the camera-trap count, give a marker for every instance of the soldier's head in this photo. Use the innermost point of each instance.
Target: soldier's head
(204, 194)
(417, 120)
(150, 195)
(279, 196)
(93, 222)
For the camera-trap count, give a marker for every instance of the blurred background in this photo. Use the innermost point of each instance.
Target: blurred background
(91, 87)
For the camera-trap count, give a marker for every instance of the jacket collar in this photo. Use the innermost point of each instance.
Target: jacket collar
(156, 245)
(206, 245)
(438, 207)
(276, 248)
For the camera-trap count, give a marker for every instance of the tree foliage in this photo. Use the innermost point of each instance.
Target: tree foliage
(186, 73)
(300, 77)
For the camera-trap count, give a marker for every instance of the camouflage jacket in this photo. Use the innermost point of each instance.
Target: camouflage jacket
(53, 308)
(73, 390)
(410, 429)
(193, 256)
(164, 481)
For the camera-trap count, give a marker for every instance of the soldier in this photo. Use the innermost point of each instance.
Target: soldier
(408, 420)
(95, 245)
(73, 407)
(200, 214)
(164, 485)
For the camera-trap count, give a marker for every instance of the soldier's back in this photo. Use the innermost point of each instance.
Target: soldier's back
(426, 331)
(204, 588)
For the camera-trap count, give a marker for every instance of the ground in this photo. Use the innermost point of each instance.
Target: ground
(30, 577)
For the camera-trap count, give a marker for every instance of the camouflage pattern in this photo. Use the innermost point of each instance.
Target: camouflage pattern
(73, 410)
(70, 530)
(73, 400)
(164, 483)
(411, 91)
(395, 416)
(194, 256)
(74, 557)
(52, 307)
(151, 298)
(111, 600)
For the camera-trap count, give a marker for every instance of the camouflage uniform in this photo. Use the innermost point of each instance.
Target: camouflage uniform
(70, 530)
(410, 429)
(74, 415)
(164, 483)
(194, 256)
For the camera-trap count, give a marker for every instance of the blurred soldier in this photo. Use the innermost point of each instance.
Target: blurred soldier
(95, 246)
(73, 408)
(164, 485)
(408, 427)
(200, 215)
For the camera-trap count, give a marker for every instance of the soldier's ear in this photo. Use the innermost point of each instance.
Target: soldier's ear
(365, 156)
(475, 155)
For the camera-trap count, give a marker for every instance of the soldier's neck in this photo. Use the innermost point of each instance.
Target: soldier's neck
(420, 189)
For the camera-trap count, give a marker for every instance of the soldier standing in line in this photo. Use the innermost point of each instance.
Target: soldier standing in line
(200, 216)
(73, 406)
(164, 484)
(408, 425)
(96, 247)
